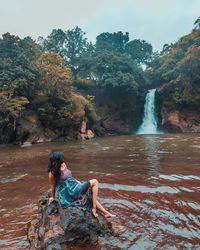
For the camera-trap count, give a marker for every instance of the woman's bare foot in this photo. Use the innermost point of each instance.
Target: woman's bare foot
(109, 215)
(94, 212)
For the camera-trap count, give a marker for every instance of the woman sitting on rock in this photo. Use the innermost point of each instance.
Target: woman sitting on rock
(69, 191)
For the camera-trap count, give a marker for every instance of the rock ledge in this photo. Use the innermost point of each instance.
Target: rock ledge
(52, 227)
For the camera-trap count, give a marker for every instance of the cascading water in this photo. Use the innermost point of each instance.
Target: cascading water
(149, 123)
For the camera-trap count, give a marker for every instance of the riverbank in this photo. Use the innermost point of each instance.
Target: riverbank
(27, 131)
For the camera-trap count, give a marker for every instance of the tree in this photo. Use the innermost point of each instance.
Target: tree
(197, 24)
(17, 70)
(117, 70)
(54, 42)
(178, 68)
(54, 101)
(112, 41)
(11, 109)
(12, 106)
(166, 49)
(71, 45)
(54, 75)
(139, 50)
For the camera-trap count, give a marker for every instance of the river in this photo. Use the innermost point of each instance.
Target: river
(151, 182)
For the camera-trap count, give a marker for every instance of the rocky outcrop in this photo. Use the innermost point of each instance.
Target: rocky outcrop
(84, 132)
(111, 125)
(180, 122)
(52, 227)
(25, 132)
(176, 118)
(28, 133)
(104, 126)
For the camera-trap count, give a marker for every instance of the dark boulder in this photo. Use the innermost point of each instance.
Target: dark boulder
(111, 125)
(53, 227)
(29, 132)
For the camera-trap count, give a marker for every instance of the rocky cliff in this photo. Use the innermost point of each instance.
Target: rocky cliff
(175, 118)
(180, 121)
(26, 132)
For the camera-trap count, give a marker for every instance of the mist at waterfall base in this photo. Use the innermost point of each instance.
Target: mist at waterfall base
(149, 123)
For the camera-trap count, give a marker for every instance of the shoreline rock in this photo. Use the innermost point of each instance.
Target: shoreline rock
(106, 126)
(52, 227)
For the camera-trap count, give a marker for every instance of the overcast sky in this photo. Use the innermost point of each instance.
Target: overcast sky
(156, 21)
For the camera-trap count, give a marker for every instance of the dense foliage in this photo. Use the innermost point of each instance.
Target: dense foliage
(177, 69)
(63, 79)
(39, 84)
(55, 81)
(110, 69)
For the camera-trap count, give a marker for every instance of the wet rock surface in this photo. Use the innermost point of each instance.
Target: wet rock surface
(28, 132)
(173, 118)
(52, 227)
(106, 126)
(180, 122)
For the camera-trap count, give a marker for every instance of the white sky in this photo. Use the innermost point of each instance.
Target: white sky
(156, 21)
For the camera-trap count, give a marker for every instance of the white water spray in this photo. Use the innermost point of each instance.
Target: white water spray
(149, 123)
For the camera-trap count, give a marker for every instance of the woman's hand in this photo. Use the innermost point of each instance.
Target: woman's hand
(78, 181)
(51, 199)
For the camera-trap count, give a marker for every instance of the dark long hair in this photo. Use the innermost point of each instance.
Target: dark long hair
(56, 160)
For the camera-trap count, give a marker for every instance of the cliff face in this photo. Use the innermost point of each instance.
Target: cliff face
(177, 121)
(173, 118)
(25, 132)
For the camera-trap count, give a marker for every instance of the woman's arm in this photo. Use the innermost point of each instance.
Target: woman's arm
(53, 187)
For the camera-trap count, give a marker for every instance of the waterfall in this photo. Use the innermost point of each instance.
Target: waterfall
(149, 122)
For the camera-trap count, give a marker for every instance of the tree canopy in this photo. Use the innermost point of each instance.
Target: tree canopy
(63, 78)
(179, 64)
(71, 45)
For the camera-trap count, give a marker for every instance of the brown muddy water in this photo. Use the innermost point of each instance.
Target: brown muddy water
(152, 184)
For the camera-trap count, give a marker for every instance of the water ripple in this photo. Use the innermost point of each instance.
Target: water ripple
(140, 188)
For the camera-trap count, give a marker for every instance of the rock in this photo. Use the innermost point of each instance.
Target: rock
(7, 130)
(84, 132)
(176, 121)
(83, 127)
(26, 144)
(53, 227)
(111, 126)
(176, 118)
(28, 132)
(89, 134)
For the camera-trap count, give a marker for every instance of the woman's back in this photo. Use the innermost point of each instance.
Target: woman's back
(65, 174)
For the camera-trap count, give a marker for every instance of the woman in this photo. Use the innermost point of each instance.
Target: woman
(71, 192)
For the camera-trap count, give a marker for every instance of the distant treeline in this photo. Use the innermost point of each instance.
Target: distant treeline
(62, 79)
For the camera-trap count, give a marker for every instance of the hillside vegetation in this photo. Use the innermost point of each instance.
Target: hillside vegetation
(177, 71)
(62, 79)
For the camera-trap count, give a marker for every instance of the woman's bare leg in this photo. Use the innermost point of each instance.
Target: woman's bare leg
(103, 210)
(95, 186)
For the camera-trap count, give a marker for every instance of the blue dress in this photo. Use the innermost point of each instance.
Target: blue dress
(70, 193)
